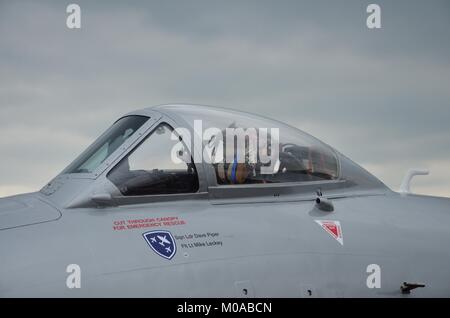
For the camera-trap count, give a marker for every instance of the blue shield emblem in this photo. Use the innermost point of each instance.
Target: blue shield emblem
(161, 242)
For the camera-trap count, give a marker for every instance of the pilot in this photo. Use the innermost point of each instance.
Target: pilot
(236, 172)
(288, 167)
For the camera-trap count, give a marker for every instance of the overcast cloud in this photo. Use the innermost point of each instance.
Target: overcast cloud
(381, 97)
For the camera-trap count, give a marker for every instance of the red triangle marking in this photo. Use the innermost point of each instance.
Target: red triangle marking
(332, 228)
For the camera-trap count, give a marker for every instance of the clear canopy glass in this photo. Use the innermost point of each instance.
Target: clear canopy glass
(106, 144)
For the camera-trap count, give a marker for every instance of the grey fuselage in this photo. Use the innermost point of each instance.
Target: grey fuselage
(231, 241)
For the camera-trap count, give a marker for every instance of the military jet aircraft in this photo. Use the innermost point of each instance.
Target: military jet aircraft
(153, 209)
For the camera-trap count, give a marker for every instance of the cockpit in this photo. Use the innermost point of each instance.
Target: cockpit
(182, 149)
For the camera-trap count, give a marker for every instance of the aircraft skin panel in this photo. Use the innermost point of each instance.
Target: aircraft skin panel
(277, 248)
(25, 209)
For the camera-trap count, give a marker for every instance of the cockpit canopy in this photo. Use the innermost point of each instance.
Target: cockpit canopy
(182, 149)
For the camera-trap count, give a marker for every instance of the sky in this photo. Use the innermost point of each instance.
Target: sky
(379, 96)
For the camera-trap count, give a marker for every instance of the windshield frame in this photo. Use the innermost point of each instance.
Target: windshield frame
(124, 148)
